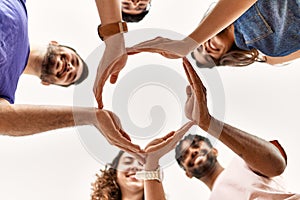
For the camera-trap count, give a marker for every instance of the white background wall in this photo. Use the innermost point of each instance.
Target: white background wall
(260, 99)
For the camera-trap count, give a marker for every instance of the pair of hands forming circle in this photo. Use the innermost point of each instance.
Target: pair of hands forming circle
(110, 125)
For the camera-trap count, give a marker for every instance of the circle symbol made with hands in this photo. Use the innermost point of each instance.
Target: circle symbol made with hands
(148, 97)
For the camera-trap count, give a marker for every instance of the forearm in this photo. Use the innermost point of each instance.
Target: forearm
(21, 120)
(154, 190)
(109, 11)
(224, 14)
(260, 155)
(283, 59)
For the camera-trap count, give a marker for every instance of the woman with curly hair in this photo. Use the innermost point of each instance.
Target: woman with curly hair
(117, 181)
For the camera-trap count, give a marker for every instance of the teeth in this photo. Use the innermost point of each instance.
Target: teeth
(198, 159)
(213, 46)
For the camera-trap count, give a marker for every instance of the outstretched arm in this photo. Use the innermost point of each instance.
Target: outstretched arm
(260, 155)
(22, 120)
(224, 13)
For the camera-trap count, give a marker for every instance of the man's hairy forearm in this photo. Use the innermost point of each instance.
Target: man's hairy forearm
(20, 120)
(260, 155)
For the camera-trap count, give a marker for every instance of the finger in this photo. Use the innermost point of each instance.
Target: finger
(117, 123)
(116, 67)
(154, 142)
(148, 43)
(114, 77)
(125, 135)
(195, 81)
(132, 51)
(160, 143)
(188, 91)
(184, 128)
(189, 104)
(116, 120)
(191, 73)
(125, 144)
(171, 134)
(102, 76)
(139, 156)
(186, 71)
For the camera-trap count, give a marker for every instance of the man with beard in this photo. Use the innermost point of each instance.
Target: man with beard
(253, 174)
(53, 64)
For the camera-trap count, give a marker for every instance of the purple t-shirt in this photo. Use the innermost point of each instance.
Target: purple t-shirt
(14, 46)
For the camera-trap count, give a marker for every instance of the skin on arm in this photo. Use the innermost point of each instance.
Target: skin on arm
(154, 151)
(283, 59)
(260, 155)
(22, 120)
(224, 13)
(115, 56)
(109, 11)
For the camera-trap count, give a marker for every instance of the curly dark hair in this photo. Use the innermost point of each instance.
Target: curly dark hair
(106, 187)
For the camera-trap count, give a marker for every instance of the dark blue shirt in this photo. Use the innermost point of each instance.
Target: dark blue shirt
(270, 26)
(14, 46)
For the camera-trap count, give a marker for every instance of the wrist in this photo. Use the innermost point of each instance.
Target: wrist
(107, 30)
(84, 115)
(116, 45)
(189, 44)
(151, 165)
(147, 175)
(215, 127)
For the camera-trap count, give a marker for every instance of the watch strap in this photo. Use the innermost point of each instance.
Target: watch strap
(112, 29)
(150, 175)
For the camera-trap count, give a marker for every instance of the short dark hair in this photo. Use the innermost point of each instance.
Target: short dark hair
(134, 18)
(191, 138)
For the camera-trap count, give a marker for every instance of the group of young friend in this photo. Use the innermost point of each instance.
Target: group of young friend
(249, 31)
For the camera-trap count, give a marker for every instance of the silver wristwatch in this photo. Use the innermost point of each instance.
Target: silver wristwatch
(150, 175)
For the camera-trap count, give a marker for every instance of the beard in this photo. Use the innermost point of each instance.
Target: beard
(204, 168)
(48, 65)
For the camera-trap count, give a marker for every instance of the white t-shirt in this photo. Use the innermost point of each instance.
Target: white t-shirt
(239, 182)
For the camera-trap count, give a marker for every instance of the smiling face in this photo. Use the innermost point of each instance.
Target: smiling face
(135, 7)
(212, 50)
(61, 66)
(126, 170)
(198, 158)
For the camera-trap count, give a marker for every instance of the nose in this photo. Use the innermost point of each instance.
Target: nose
(135, 168)
(70, 67)
(203, 50)
(135, 2)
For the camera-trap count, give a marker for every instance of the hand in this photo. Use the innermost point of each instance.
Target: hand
(112, 62)
(166, 47)
(160, 146)
(196, 103)
(110, 126)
